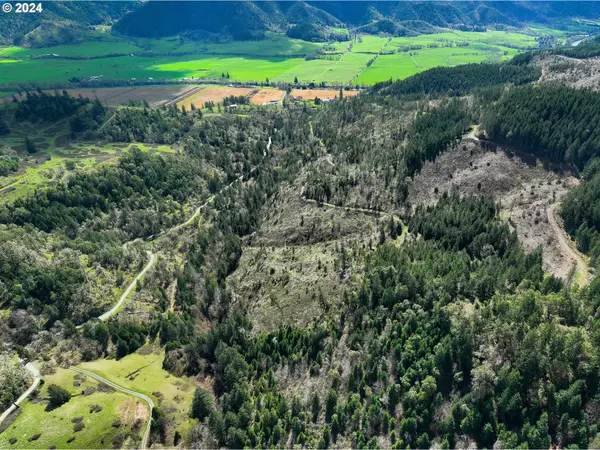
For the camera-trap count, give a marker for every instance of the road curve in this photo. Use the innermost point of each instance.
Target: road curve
(36, 380)
(108, 314)
(567, 245)
(144, 397)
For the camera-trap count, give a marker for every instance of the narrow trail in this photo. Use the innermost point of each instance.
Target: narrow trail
(152, 256)
(568, 246)
(372, 212)
(36, 380)
(144, 397)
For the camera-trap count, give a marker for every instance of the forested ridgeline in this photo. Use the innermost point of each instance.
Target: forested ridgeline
(165, 126)
(556, 123)
(460, 80)
(84, 114)
(139, 184)
(451, 339)
(581, 213)
(561, 125)
(41, 106)
(378, 142)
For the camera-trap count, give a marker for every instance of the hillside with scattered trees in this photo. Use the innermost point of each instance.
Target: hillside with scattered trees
(277, 259)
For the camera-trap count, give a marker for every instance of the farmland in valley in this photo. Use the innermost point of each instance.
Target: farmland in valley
(365, 60)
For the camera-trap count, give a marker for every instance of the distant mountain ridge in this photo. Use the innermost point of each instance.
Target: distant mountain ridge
(250, 20)
(64, 21)
(60, 22)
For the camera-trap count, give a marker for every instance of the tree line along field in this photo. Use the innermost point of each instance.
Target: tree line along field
(364, 60)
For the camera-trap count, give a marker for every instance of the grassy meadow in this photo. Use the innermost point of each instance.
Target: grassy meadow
(277, 57)
(58, 156)
(114, 422)
(143, 372)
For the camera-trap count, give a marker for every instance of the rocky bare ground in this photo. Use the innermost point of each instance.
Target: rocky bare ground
(524, 188)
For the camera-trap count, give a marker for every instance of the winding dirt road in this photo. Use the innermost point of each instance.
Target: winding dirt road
(568, 246)
(144, 397)
(36, 380)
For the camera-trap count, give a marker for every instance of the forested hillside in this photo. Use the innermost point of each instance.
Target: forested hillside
(250, 20)
(60, 22)
(275, 264)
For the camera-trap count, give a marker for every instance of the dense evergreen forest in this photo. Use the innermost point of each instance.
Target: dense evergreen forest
(448, 334)
(461, 79)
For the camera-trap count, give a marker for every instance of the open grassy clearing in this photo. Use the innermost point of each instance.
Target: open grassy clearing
(58, 156)
(142, 372)
(414, 54)
(278, 58)
(386, 67)
(369, 44)
(346, 69)
(142, 68)
(56, 427)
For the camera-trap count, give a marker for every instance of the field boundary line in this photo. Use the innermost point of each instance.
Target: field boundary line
(181, 97)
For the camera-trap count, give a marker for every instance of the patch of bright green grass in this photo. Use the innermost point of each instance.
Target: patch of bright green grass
(397, 66)
(350, 65)
(144, 373)
(306, 71)
(84, 49)
(369, 44)
(56, 427)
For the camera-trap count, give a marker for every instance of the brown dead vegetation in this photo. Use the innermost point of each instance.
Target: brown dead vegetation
(520, 183)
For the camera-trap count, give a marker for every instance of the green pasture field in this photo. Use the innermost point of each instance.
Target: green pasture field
(257, 60)
(369, 44)
(388, 66)
(56, 427)
(483, 46)
(143, 372)
(56, 70)
(346, 69)
(305, 71)
(493, 37)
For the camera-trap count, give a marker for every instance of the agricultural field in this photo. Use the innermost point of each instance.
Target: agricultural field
(413, 54)
(388, 66)
(349, 66)
(143, 372)
(266, 95)
(278, 58)
(369, 44)
(106, 418)
(311, 94)
(199, 95)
